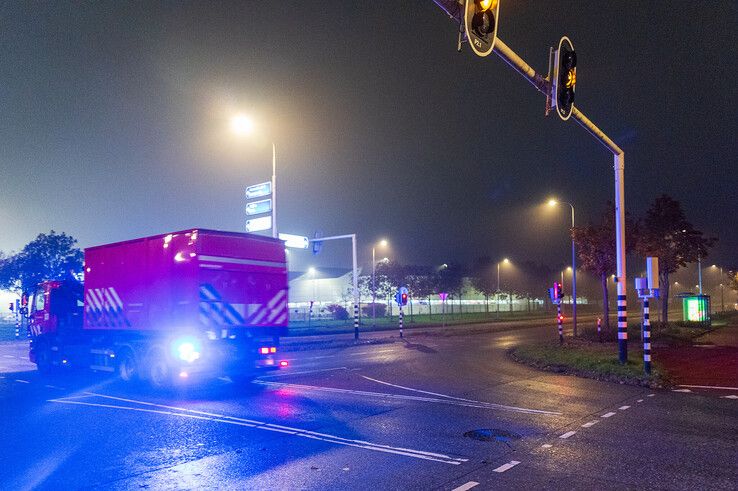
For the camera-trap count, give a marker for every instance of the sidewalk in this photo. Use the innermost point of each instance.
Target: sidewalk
(711, 360)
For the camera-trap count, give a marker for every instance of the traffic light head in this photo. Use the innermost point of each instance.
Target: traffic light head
(403, 299)
(11, 306)
(480, 23)
(24, 300)
(565, 78)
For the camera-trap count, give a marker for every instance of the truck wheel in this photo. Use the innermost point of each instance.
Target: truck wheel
(43, 359)
(158, 372)
(127, 366)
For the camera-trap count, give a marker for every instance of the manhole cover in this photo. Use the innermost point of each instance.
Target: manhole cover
(492, 434)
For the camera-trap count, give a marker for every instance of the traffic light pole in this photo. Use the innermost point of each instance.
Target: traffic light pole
(542, 84)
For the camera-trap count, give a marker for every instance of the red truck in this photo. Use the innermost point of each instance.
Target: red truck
(167, 308)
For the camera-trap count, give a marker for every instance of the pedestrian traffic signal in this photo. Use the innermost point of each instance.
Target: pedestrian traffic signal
(564, 78)
(24, 300)
(403, 299)
(480, 24)
(11, 306)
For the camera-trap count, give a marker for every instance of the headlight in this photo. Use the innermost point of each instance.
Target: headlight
(187, 350)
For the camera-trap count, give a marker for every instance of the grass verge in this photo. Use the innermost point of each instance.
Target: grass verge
(591, 360)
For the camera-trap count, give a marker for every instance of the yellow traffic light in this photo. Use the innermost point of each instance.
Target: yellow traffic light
(486, 4)
(571, 78)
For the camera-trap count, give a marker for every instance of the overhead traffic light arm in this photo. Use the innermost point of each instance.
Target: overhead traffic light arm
(452, 9)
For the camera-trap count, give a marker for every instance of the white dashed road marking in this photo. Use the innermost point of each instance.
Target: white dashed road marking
(607, 415)
(623, 408)
(8, 356)
(467, 486)
(546, 445)
(220, 418)
(22, 381)
(590, 424)
(506, 467)
(681, 390)
(731, 396)
(650, 395)
(639, 400)
(568, 434)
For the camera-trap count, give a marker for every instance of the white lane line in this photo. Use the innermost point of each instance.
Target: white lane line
(590, 424)
(639, 400)
(8, 356)
(607, 415)
(53, 387)
(22, 381)
(681, 390)
(220, 418)
(420, 391)
(284, 374)
(568, 434)
(731, 396)
(714, 387)
(508, 466)
(650, 395)
(623, 408)
(467, 486)
(546, 445)
(476, 404)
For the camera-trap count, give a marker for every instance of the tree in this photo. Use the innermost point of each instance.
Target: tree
(450, 279)
(596, 250)
(734, 280)
(668, 235)
(483, 279)
(49, 256)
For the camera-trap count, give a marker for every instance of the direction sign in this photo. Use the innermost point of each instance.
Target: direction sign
(258, 224)
(295, 241)
(259, 190)
(259, 207)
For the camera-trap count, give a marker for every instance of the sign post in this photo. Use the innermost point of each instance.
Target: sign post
(443, 296)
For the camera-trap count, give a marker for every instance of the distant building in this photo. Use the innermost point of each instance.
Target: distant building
(323, 286)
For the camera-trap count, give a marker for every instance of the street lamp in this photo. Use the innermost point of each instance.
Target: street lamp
(504, 261)
(243, 125)
(552, 203)
(722, 303)
(381, 243)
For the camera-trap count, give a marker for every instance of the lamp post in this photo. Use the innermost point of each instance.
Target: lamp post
(722, 303)
(382, 243)
(243, 125)
(506, 261)
(554, 202)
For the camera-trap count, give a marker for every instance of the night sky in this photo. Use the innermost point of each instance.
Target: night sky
(115, 122)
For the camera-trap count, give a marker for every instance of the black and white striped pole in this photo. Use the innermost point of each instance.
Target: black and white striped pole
(17, 325)
(559, 319)
(401, 320)
(646, 338)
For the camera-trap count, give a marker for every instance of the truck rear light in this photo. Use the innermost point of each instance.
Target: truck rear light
(283, 363)
(272, 349)
(264, 351)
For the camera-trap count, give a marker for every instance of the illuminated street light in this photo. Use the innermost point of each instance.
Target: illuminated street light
(243, 125)
(381, 243)
(497, 294)
(553, 202)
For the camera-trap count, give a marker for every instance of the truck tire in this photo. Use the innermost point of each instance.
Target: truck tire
(44, 359)
(158, 372)
(128, 370)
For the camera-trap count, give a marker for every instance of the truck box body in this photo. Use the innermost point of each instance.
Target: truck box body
(195, 280)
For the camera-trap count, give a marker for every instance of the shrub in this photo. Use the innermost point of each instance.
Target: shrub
(381, 309)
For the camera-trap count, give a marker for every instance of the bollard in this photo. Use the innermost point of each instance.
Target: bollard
(646, 338)
(599, 329)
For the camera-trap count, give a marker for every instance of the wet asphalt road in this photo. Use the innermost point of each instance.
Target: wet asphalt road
(391, 415)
